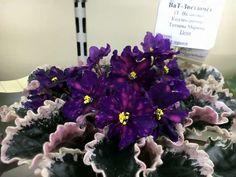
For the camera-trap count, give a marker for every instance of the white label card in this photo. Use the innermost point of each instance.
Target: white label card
(190, 23)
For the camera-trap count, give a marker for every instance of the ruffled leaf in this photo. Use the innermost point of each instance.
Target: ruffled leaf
(223, 155)
(226, 97)
(10, 113)
(178, 165)
(207, 71)
(70, 135)
(203, 72)
(207, 112)
(26, 140)
(66, 163)
(183, 161)
(105, 157)
(150, 153)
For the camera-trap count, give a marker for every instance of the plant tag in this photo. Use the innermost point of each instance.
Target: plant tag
(190, 23)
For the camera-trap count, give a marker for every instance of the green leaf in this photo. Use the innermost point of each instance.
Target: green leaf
(115, 162)
(70, 166)
(201, 125)
(223, 155)
(204, 73)
(232, 85)
(230, 102)
(21, 112)
(176, 165)
(29, 140)
(191, 101)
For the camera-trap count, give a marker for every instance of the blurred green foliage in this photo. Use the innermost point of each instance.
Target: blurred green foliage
(231, 83)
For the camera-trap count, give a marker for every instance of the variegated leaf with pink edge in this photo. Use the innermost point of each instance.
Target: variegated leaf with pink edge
(184, 160)
(25, 141)
(106, 158)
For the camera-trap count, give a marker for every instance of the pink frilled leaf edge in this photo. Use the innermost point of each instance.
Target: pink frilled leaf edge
(211, 83)
(89, 148)
(153, 150)
(47, 161)
(209, 115)
(42, 112)
(8, 114)
(202, 93)
(208, 85)
(192, 150)
(64, 132)
(33, 85)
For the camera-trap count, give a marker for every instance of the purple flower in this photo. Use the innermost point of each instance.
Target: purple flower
(153, 43)
(157, 47)
(170, 70)
(166, 123)
(35, 101)
(126, 68)
(128, 115)
(96, 54)
(164, 95)
(52, 85)
(50, 78)
(74, 72)
(86, 91)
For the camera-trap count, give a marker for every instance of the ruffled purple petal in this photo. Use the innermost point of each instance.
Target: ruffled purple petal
(144, 125)
(96, 54)
(164, 95)
(103, 119)
(110, 105)
(143, 66)
(174, 69)
(118, 65)
(127, 137)
(149, 42)
(85, 85)
(35, 101)
(168, 129)
(175, 116)
(72, 109)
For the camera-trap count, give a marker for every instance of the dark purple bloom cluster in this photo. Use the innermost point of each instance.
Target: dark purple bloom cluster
(53, 84)
(133, 97)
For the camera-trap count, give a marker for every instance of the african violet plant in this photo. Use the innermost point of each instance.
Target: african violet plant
(139, 116)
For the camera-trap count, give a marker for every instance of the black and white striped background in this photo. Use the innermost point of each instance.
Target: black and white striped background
(80, 21)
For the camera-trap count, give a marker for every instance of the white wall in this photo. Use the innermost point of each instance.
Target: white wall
(37, 32)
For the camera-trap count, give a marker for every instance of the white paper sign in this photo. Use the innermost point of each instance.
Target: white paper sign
(190, 23)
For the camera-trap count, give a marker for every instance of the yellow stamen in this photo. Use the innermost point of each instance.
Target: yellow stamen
(166, 69)
(151, 49)
(54, 79)
(87, 99)
(133, 75)
(159, 113)
(123, 117)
